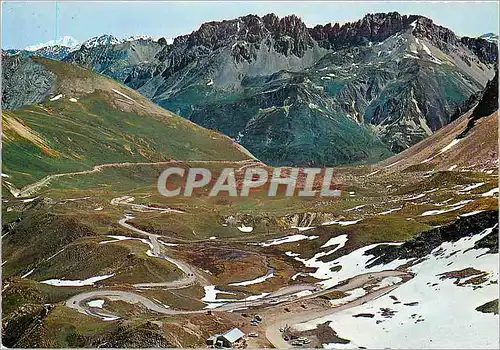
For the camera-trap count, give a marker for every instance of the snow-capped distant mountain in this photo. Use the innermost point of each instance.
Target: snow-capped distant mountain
(169, 41)
(56, 52)
(491, 37)
(68, 44)
(67, 41)
(54, 49)
(106, 40)
(143, 37)
(100, 41)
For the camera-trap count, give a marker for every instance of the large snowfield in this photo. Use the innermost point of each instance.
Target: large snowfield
(429, 311)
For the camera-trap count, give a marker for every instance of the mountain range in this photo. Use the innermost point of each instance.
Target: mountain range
(490, 37)
(294, 95)
(67, 41)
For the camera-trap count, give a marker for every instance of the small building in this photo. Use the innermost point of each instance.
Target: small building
(227, 339)
(212, 340)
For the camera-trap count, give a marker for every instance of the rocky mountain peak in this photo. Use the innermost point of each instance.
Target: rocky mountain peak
(485, 50)
(387, 79)
(242, 37)
(492, 37)
(102, 40)
(290, 34)
(289, 25)
(440, 36)
(446, 40)
(66, 41)
(378, 23)
(373, 27)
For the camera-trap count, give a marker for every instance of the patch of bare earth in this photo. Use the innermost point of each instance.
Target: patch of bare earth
(465, 277)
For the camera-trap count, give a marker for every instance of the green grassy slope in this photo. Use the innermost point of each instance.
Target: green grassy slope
(103, 126)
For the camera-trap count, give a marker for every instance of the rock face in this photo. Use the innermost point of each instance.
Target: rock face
(491, 37)
(26, 319)
(424, 243)
(123, 60)
(331, 94)
(487, 103)
(25, 327)
(373, 27)
(487, 51)
(24, 81)
(55, 52)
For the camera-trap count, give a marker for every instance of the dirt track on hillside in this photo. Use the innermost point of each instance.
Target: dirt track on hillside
(34, 187)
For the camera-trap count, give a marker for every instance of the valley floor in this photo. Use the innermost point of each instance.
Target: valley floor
(332, 265)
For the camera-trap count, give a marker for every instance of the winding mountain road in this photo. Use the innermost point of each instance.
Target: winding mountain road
(34, 187)
(283, 295)
(191, 275)
(78, 302)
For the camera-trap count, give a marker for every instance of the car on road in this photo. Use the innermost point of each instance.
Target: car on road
(301, 341)
(297, 343)
(253, 335)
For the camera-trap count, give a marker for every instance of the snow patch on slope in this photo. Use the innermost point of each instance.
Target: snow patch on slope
(287, 239)
(351, 265)
(76, 283)
(254, 281)
(122, 94)
(432, 311)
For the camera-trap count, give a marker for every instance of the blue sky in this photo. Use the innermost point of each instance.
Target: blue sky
(26, 23)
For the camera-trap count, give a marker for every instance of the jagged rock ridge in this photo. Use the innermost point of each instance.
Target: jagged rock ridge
(307, 96)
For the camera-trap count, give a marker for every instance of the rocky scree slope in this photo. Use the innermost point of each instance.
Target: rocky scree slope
(469, 142)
